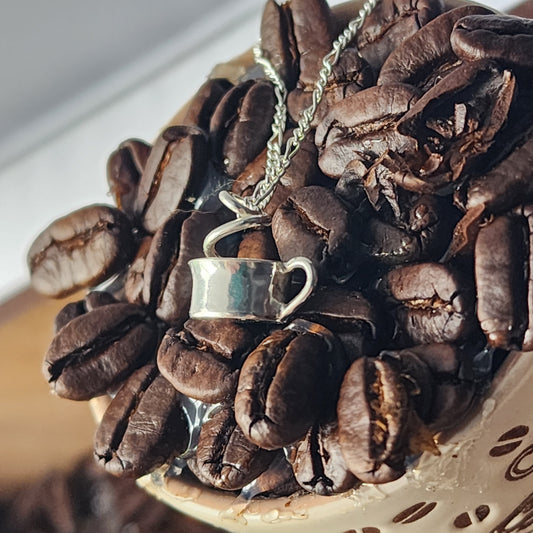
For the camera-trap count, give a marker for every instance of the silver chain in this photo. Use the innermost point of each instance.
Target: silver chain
(277, 161)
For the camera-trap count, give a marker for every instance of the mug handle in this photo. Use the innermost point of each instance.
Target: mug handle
(311, 279)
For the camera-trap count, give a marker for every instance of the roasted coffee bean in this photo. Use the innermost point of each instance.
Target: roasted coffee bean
(507, 39)
(124, 170)
(453, 131)
(241, 124)
(314, 32)
(315, 224)
(92, 300)
(373, 410)
(362, 127)
(204, 102)
(452, 387)
(283, 386)
(302, 172)
(258, 244)
(202, 361)
(390, 23)
(313, 28)
(501, 256)
(350, 75)
(97, 350)
(350, 316)
(134, 278)
(225, 456)
(318, 463)
(167, 279)
(278, 42)
(430, 302)
(505, 186)
(79, 250)
(276, 481)
(174, 172)
(416, 62)
(416, 376)
(143, 426)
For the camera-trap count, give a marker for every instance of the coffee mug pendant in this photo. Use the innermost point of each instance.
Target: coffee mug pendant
(245, 288)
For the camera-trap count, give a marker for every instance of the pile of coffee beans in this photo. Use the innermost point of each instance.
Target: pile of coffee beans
(413, 198)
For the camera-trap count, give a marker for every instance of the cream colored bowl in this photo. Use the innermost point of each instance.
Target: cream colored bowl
(482, 481)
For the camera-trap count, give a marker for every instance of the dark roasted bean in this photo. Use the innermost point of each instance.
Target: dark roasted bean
(91, 301)
(79, 250)
(278, 42)
(174, 171)
(318, 463)
(501, 281)
(507, 39)
(241, 125)
(258, 244)
(390, 23)
(506, 185)
(315, 224)
(225, 457)
(452, 390)
(282, 386)
(373, 413)
(202, 361)
(430, 302)
(452, 130)
(95, 351)
(124, 170)
(142, 427)
(204, 102)
(351, 317)
(167, 279)
(423, 58)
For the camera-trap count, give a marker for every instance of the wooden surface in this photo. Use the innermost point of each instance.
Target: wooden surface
(38, 430)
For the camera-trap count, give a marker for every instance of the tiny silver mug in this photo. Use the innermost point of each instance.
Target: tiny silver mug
(247, 289)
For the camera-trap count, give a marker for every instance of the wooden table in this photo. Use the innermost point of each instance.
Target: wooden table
(38, 430)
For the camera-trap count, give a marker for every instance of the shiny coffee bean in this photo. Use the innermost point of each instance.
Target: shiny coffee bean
(282, 385)
(314, 223)
(502, 280)
(373, 412)
(202, 361)
(95, 351)
(204, 102)
(225, 457)
(79, 250)
(452, 388)
(174, 172)
(124, 170)
(416, 63)
(430, 303)
(357, 323)
(167, 279)
(507, 39)
(318, 463)
(92, 300)
(362, 127)
(278, 41)
(389, 24)
(241, 125)
(143, 426)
